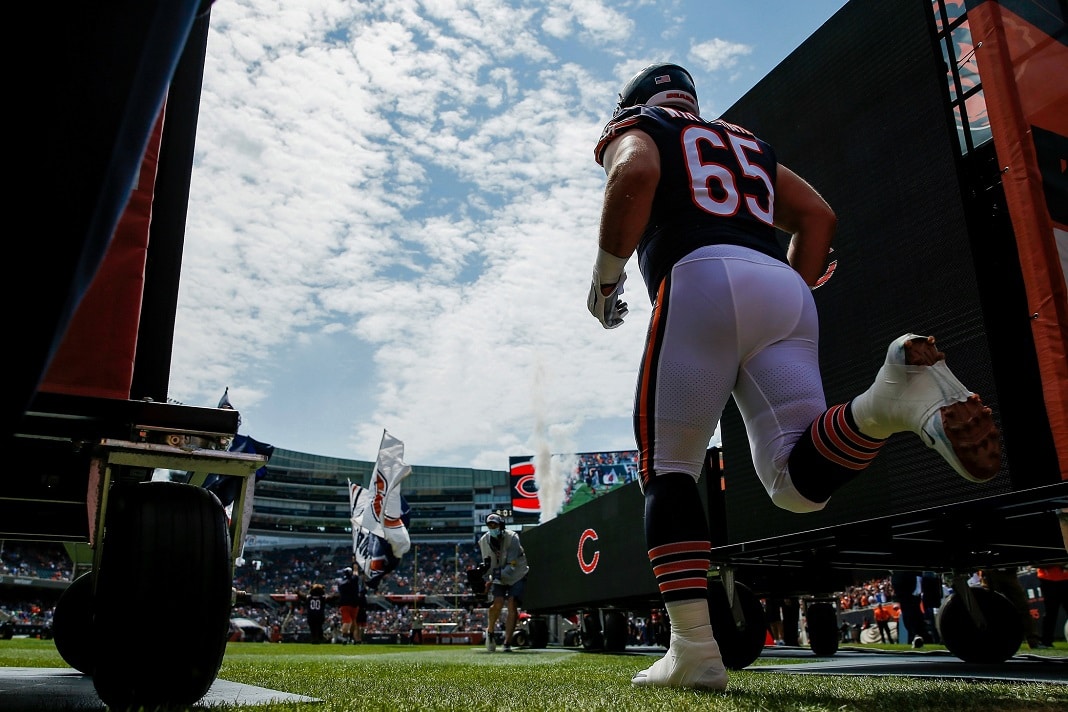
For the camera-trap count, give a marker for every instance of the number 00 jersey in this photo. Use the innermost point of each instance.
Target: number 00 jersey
(717, 186)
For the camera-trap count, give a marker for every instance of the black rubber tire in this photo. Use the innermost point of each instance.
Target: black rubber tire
(996, 642)
(740, 644)
(823, 633)
(539, 632)
(615, 631)
(166, 556)
(72, 625)
(592, 636)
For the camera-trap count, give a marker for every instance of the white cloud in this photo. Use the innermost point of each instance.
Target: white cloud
(592, 20)
(717, 54)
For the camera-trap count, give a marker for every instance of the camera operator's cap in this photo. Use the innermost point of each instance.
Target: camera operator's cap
(495, 519)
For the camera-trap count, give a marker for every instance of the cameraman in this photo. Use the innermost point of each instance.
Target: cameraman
(506, 562)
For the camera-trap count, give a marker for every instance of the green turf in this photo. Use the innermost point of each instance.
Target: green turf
(399, 678)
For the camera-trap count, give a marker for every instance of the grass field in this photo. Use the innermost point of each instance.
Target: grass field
(399, 678)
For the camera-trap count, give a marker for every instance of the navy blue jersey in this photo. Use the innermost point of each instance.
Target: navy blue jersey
(717, 186)
(316, 605)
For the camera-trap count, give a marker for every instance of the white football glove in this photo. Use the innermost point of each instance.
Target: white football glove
(609, 310)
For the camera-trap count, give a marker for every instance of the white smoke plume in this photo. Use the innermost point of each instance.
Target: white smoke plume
(551, 472)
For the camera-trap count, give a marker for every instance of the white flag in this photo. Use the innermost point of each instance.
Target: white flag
(378, 509)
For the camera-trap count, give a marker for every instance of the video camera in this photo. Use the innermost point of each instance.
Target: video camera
(476, 578)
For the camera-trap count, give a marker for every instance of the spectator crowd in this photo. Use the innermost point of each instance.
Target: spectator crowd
(430, 580)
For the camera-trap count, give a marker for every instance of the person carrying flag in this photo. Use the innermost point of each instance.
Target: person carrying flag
(348, 590)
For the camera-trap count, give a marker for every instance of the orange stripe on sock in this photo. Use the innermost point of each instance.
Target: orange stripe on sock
(680, 547)
(832, 456)
(695, 583)
(835, 426)
(849, 454)
(685, 565)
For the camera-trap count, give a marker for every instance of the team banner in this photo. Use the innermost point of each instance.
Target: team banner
(380, 514)
(372, 554)
(84, 363)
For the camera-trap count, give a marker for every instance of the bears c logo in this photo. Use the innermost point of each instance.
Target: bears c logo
(588, 565)
(524, 487)
(380, 488)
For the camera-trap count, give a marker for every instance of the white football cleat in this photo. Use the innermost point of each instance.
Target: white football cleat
(693, 661)
(916, 391)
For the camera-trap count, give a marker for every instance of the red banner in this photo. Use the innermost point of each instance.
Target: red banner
(97, 355)
(1023, 62)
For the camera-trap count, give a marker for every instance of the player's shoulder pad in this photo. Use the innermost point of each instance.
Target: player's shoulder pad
(733, 128)
(647, 118)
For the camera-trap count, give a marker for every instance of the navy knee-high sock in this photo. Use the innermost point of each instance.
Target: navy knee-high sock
(830, 453)
(676, 534)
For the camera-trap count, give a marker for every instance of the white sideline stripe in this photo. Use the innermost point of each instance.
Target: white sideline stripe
(24, 688)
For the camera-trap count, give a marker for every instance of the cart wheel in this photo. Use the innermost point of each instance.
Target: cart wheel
(592, 637)
(740, 642)
(539, 632)
(72, 624)
(615, 631)
(822, 629)
(166, 556)
(519, 638)
(994, 638)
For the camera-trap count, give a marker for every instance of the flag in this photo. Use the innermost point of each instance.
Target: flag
(373, 554)
(226, 487)
(380, 514)
(224, 402)
(243, 443)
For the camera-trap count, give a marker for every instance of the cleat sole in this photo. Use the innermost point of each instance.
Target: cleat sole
(970, 429)
(964, 434)
(921, 351)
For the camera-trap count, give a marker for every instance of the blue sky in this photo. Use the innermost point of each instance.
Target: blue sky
(393, 215)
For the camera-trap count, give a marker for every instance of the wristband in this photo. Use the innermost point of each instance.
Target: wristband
(608, 267)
